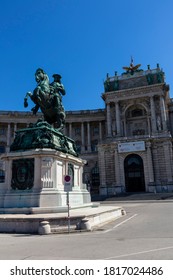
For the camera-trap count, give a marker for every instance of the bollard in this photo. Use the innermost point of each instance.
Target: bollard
(44, 228)
(85, 225)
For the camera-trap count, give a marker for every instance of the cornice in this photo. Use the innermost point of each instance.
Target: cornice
(156, 89)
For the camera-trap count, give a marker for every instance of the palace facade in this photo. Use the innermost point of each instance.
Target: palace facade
(127, 145)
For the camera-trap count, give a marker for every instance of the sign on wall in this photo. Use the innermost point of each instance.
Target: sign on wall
(131, 147)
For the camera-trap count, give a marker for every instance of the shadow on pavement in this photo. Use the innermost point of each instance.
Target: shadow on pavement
(133, 197)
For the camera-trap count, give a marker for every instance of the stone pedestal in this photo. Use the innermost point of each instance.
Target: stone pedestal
(34, 182)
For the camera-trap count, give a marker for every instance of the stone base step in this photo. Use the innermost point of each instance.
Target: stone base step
(83, 219)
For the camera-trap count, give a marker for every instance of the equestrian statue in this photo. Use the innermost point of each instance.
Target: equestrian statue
(48, 98)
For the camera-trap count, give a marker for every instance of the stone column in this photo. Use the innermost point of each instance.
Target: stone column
(149, 126)
(109, 120)
(153, 115)
(100, 131)
(8, 137)
(168, 161)
(70, 130)
(125, 128)
(82, 137)
(88, 137)
(150, 163)
(117, 168)
(163, 113)
(15, 129)
(117, 112)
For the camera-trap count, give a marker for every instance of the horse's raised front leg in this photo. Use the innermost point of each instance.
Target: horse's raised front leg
(35, 109)
(26, 99)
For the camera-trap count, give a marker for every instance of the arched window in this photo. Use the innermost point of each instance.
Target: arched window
(136, 121)
(137, 112)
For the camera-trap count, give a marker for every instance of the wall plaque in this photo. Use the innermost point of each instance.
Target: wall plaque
(131, 147)
(22, 174)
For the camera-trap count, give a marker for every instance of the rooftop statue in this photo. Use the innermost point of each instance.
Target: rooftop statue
(48, 98)
(132, 68)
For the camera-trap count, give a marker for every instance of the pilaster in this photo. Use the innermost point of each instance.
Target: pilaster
(8, 137)
(163, 112)
(150, 163)
(83, 137)
(117, 111)
(88, 137)
(153, 115)
(109, 120)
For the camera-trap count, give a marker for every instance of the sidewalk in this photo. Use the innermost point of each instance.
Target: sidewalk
(136, 197)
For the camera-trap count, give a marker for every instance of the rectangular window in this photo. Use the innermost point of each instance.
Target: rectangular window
(95, 130)
(2, 149)
(77, 131)
(2, 131)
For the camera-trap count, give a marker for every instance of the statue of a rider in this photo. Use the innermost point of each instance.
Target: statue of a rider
(58, 89)
(48, 98)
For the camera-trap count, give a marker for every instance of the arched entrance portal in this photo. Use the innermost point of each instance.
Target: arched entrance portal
(134, 173)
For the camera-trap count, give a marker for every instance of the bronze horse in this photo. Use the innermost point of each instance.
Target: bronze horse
(48, 98)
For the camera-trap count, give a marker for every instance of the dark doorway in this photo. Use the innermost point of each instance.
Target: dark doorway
(134, 173)
(95, 180)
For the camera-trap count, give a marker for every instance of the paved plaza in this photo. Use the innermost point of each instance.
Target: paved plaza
(145, 232)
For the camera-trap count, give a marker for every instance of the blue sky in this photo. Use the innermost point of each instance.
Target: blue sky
(82, 40)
